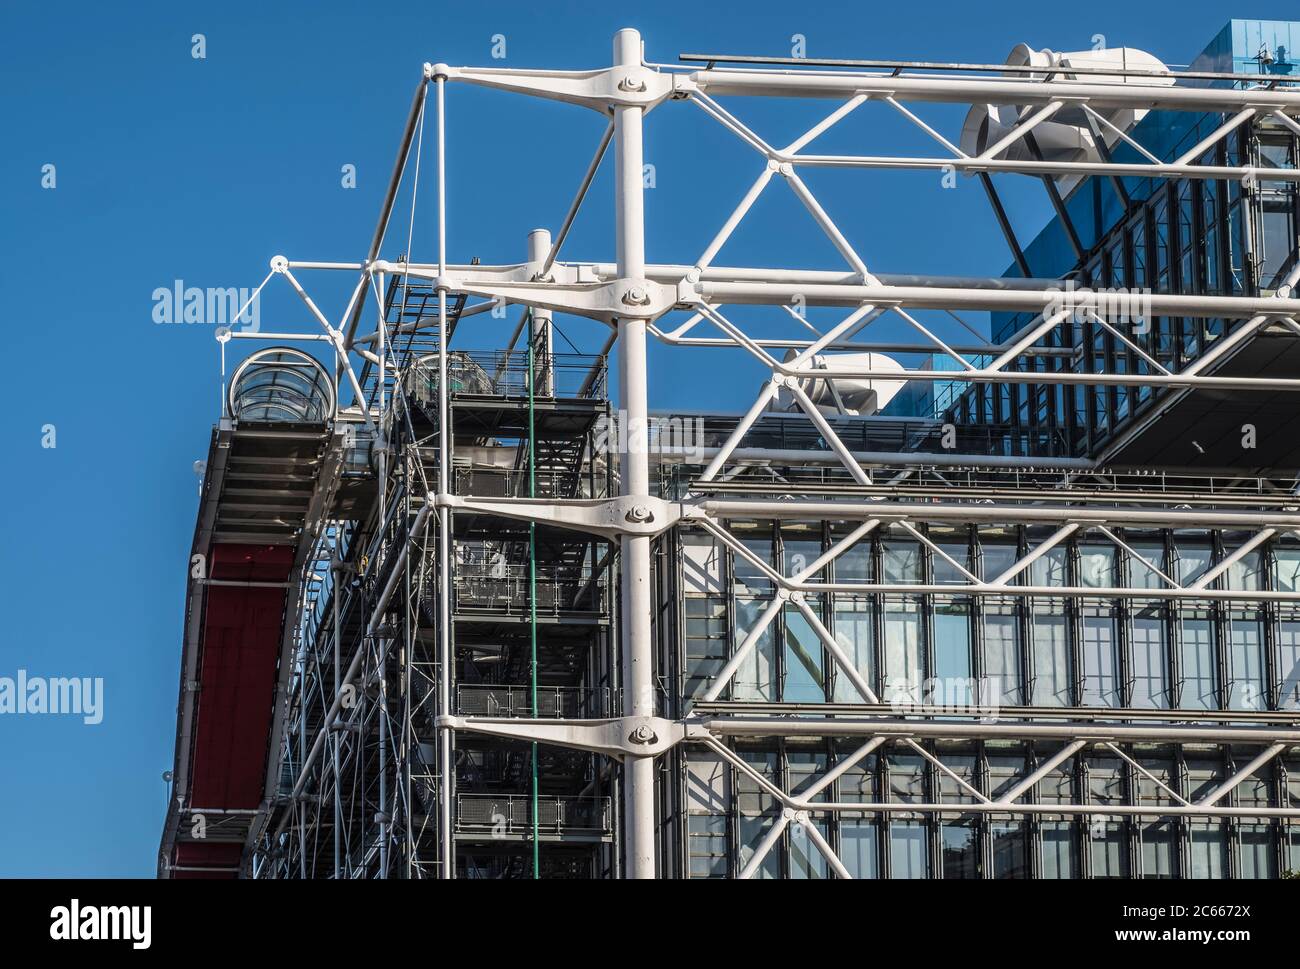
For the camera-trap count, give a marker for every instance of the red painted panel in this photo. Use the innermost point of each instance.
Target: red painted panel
(195, 854)
(242, 629)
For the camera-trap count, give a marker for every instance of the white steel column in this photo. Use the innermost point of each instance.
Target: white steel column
(634, 603)
(543, 376)
(446, 779)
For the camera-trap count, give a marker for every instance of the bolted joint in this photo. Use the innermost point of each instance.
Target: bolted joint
(642, 734)
(639, 514)
(635, 296)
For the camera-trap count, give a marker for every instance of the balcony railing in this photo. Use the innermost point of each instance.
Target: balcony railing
(511, 814)
(482, 483)
(505, 588)
(498, 373)
(499, 700)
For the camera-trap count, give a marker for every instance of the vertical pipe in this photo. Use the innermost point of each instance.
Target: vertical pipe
(383, 645)
(336, 734)
(638, 683)
(302, 754)
(381, 437)
(532, 598)
(539, 248)
(446, 852)
(408, 661)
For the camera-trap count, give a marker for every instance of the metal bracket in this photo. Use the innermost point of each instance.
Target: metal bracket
(607, 302)
(616, 737)
(601, 89)
(610, 517)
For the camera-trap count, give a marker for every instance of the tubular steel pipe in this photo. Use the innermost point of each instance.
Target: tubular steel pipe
(638, 682)
(389, 587)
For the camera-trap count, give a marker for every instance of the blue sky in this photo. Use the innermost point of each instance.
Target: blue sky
(170, 167)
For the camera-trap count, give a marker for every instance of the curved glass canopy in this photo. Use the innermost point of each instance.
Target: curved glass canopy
(280, 384)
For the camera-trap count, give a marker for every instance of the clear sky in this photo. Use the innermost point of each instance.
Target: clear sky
(169, 167)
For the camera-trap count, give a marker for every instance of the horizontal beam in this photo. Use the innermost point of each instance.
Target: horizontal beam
(982, 90)
(1002, 514)
(904, 728)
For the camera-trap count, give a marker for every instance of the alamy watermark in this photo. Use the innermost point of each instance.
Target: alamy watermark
(75, 922)
(25, 695)
(213, 305)
(1118, 306)
(980, 696)
(618, 434)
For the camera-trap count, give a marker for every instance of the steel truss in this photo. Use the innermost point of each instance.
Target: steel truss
(633, 298)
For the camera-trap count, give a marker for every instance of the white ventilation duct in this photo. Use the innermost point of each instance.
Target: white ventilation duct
(1067, 136)
(848, 395)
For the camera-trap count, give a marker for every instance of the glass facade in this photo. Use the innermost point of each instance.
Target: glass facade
(991, 652)
(1061, 647)
(1204, 236)
(724, 835)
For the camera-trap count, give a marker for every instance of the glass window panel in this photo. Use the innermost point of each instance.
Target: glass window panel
(1256, 851)
(907, 777)
(1288, 663)
(963, 765)
(1097, 566)
(857, 784)
(806, 859)
(1141, 573)
(904, 668)
(1002, 653)
(1286, 568)
(960, 849)
(1100, 657)
(805, 767)
(1050, 567)
(702, 564)
(1005, 772)
(902, 561)
(749, 577)
(1200, 675)
(1105, 780)
(756, 812)
(944, 571)
(1109, 849)
(1010, 857)
(858, 847)
(908, 849)
(996, 559)
(708, 845)
(853, 634)
(1059, 850)
(854, 563)
(952, 653)
(801, 546)
(1193, 561)
(1157, 849)
(756, 677)
(1247, 573)
(1149, 658)
(1246, 661)
(1051, 683)
(805, 680)
(1209, 849)
(706, 641)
